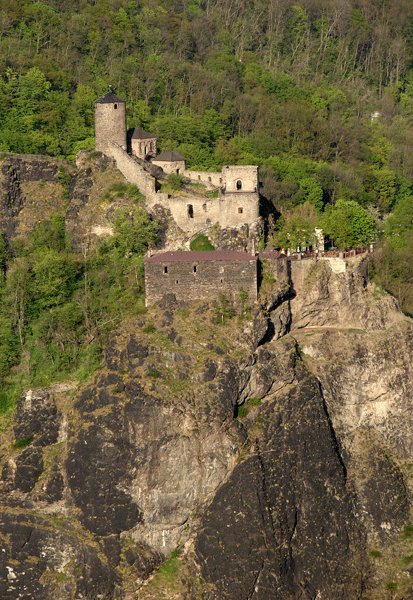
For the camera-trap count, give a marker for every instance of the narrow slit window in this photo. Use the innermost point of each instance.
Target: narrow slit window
(165, 270)
(190, 210)
(239, 184)
(177, 281)
(194, 268)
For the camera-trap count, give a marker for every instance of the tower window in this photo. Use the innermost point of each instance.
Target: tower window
(240, 210)
(115, 106)
(190, 210)
(177, 281)
(194, 268)
(165, 270)
(239, 184)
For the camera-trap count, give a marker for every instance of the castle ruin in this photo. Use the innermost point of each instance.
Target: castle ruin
(234, 200)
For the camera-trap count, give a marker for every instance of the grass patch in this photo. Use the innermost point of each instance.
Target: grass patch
(149, 328)
(154, 373)
(375, 553)
(22, 443)
(242, 411)
(212, 194)
(406, 560)
(245, 408)
(408, 532)
(391, 586)
(124, 190)
(253, 401)
(201, 243)
(169, 569)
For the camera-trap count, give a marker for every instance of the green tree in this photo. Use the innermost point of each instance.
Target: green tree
(296, 229)
(348, 224)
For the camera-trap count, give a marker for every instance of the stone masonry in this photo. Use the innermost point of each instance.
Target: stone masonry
(236, 201)
(200, 275)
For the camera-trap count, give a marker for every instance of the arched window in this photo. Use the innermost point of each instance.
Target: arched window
(190, 210)
(115, 106)
(239, 184)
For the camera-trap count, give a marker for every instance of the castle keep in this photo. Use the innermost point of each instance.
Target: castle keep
(235, 188)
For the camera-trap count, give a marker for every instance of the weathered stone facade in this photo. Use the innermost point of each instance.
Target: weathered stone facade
(170, 162)
(143, 144)
(200, 275)
(196, 212)
(110, 122)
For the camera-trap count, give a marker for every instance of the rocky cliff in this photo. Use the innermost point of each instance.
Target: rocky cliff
(209, 460)
(268, 456)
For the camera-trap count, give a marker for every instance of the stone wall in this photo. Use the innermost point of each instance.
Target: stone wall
(177, 166)
(194, 212)
(141, 148)
(240, 178)
(210, 179)
(132, 170)
(199, 280)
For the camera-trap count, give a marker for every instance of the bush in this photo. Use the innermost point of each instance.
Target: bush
(201, 242)
(175, 181)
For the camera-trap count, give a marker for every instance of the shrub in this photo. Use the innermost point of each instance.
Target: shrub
(201, 242)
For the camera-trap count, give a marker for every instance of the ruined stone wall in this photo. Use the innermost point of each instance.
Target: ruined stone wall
(210, 179)
(202, 280)
(244, 176)
(229, 210)
(141, 148)
(132, 170)
(177, 166)
(110, 125)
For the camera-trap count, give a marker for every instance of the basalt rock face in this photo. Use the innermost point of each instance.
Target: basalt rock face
(270, 456)
(25, 183)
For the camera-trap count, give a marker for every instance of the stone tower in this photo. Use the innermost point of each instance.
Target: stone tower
(110, 122)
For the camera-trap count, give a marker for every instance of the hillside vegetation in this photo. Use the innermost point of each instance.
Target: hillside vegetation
(317, 92)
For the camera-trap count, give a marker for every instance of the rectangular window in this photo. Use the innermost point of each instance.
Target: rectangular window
(240, 210)
(165, 270)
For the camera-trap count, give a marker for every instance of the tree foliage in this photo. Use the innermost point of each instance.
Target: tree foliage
(57, 307)
(349, 225)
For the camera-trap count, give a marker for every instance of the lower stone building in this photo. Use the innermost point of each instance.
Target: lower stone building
(200, 275)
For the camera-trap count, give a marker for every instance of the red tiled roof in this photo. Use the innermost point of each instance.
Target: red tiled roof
(200, 256)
